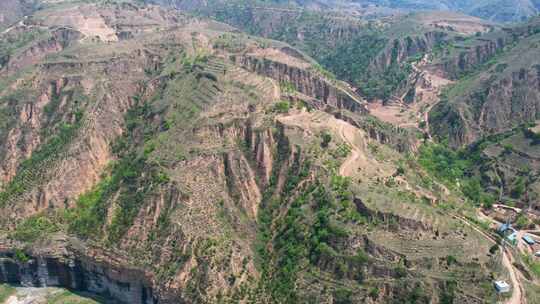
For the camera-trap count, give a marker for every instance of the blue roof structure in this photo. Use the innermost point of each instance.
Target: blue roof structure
(528, 239)
(512, 237)
(502, 228)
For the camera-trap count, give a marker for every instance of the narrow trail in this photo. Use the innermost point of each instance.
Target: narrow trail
(347, 168)
(518, 295)
(346, 132)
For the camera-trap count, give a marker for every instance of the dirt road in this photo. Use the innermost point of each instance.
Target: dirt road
(518, 293)
(351, 163)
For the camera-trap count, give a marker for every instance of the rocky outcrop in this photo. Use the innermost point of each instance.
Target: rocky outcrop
(510, 101)
(471, 57)
(400, 50)
(58, 41)
(495, 106)
(71, 270)
(305, 82)
(401, 222)
(384, 133)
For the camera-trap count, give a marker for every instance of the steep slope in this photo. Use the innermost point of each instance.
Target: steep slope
(496, 88)
(154, 157)
(374, 56)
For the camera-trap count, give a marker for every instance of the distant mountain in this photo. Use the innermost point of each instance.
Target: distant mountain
(494, 10)
(12, 10)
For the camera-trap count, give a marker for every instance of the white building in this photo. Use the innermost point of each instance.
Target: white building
(502, 286)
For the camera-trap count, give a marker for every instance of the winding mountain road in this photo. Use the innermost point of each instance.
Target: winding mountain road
(348, 166)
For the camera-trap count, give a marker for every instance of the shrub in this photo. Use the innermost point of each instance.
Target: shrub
(343, 296)
(361, 257)
(326, 139)
(282, 107)
(401, 272)
(21, 256)
(451, 260)
(373, 293)
(519, 188)
(522, 221)
(34, 228)
(493, 249)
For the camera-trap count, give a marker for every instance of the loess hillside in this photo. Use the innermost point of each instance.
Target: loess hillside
(151, 156)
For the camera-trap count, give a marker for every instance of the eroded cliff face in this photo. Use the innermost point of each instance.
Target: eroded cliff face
(510, 101)
(65, 172)
(502, 92)
(59, 264)
(306, 82)
(401, 50)
(496, 104)
(34, 53)
(169, 167)
(467, 55)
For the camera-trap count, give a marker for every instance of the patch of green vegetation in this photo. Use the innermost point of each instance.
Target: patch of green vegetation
(282, 107)
(455, 168)
(34, 228)
(351, 60)
(287, 87)
(532, 265)
(518, 187)
(326, 139)
(412, 295)
(341, 151)
(130, 180)
(21, 256)
(306, 235)
(374, 292)
(88, 217)
(5, 292)
(343, 296)
(322, 71)
(444, 163)
(522, 221)
(448, 294)
(42, 157)
(68, 297)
